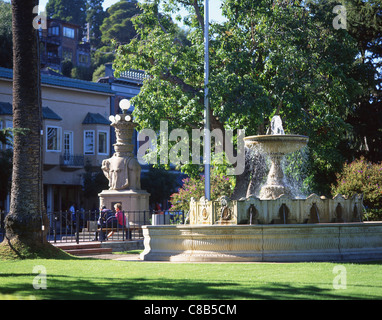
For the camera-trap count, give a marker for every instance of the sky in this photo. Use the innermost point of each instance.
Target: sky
(214, 6)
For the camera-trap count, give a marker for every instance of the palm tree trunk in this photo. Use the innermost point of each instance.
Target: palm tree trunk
(23, 225)
(24, 218)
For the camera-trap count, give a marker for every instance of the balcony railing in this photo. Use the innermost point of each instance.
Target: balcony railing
(54, 39)
(134, 75)
(45, 58)
(72, 161)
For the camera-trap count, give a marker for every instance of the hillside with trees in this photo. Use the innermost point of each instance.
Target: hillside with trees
(107, 28)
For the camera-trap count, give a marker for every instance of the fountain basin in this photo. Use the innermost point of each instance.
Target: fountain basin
(277, 143)
(263, 243)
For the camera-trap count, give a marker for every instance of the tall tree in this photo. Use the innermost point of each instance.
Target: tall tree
(73, 11)
(270, 57)
(364, 23)
(24, 236)
(94, 16)
(117, 25)
(116, 28)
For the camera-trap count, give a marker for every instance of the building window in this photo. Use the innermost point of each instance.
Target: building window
(53, 139)
(89, 142)
(83, 58)
(103, 143)
(68, 32)
(68, 144)
(54, 31)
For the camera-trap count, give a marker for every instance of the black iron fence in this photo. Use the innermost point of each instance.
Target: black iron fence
(84, 226)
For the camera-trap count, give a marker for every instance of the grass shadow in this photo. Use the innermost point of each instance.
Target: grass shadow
(74, 288)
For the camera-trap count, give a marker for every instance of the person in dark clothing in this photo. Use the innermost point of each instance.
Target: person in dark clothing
(104, 215)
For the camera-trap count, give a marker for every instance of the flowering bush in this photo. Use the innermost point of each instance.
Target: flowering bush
(194, 187)
(359, 177)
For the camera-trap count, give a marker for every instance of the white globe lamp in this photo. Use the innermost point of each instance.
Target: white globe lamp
(124, 104)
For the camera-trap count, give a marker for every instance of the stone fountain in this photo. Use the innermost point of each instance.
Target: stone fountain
(276, 201)
(273, 225)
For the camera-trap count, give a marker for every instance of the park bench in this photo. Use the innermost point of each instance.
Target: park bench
(129, 229)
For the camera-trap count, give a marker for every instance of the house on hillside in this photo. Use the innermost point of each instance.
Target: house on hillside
(61, 41)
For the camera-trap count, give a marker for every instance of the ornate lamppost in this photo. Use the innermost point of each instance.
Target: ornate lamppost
(123, 169)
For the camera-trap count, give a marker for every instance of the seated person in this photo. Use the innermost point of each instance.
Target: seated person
(120, 215)
(104, 216)
(117, 221)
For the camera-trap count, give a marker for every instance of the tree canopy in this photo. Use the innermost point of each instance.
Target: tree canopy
(365, 26)
(117, 24)
(269, 57)
(73, 11)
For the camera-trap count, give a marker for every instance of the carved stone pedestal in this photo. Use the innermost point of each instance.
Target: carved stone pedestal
(134, 202)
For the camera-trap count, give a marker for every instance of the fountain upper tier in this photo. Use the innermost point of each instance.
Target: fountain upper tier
(276, 146)
(277, 143)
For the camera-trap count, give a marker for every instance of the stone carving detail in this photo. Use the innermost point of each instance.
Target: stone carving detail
(225, 212)
(123, 170)
(313, 209)
(204, 214)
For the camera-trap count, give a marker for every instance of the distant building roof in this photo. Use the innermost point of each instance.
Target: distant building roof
(64, 82)
(5, 108)
(64, 22)
(48, 113)
(131, 77)
(95, 118)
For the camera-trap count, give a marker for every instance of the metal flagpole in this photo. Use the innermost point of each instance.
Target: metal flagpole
(207, 126)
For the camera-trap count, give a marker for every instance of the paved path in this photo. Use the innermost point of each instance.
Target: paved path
(120, 257)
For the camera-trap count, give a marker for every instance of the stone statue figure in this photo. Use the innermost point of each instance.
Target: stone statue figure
(122, 172)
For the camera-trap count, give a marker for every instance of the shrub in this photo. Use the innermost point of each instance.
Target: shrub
(66, 67)
(363, 177)
(373, 214)
(194, 187)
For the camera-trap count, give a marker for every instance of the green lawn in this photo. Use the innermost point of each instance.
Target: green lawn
(110, 279)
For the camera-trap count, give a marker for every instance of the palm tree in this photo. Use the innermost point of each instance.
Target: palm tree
(25, 237)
